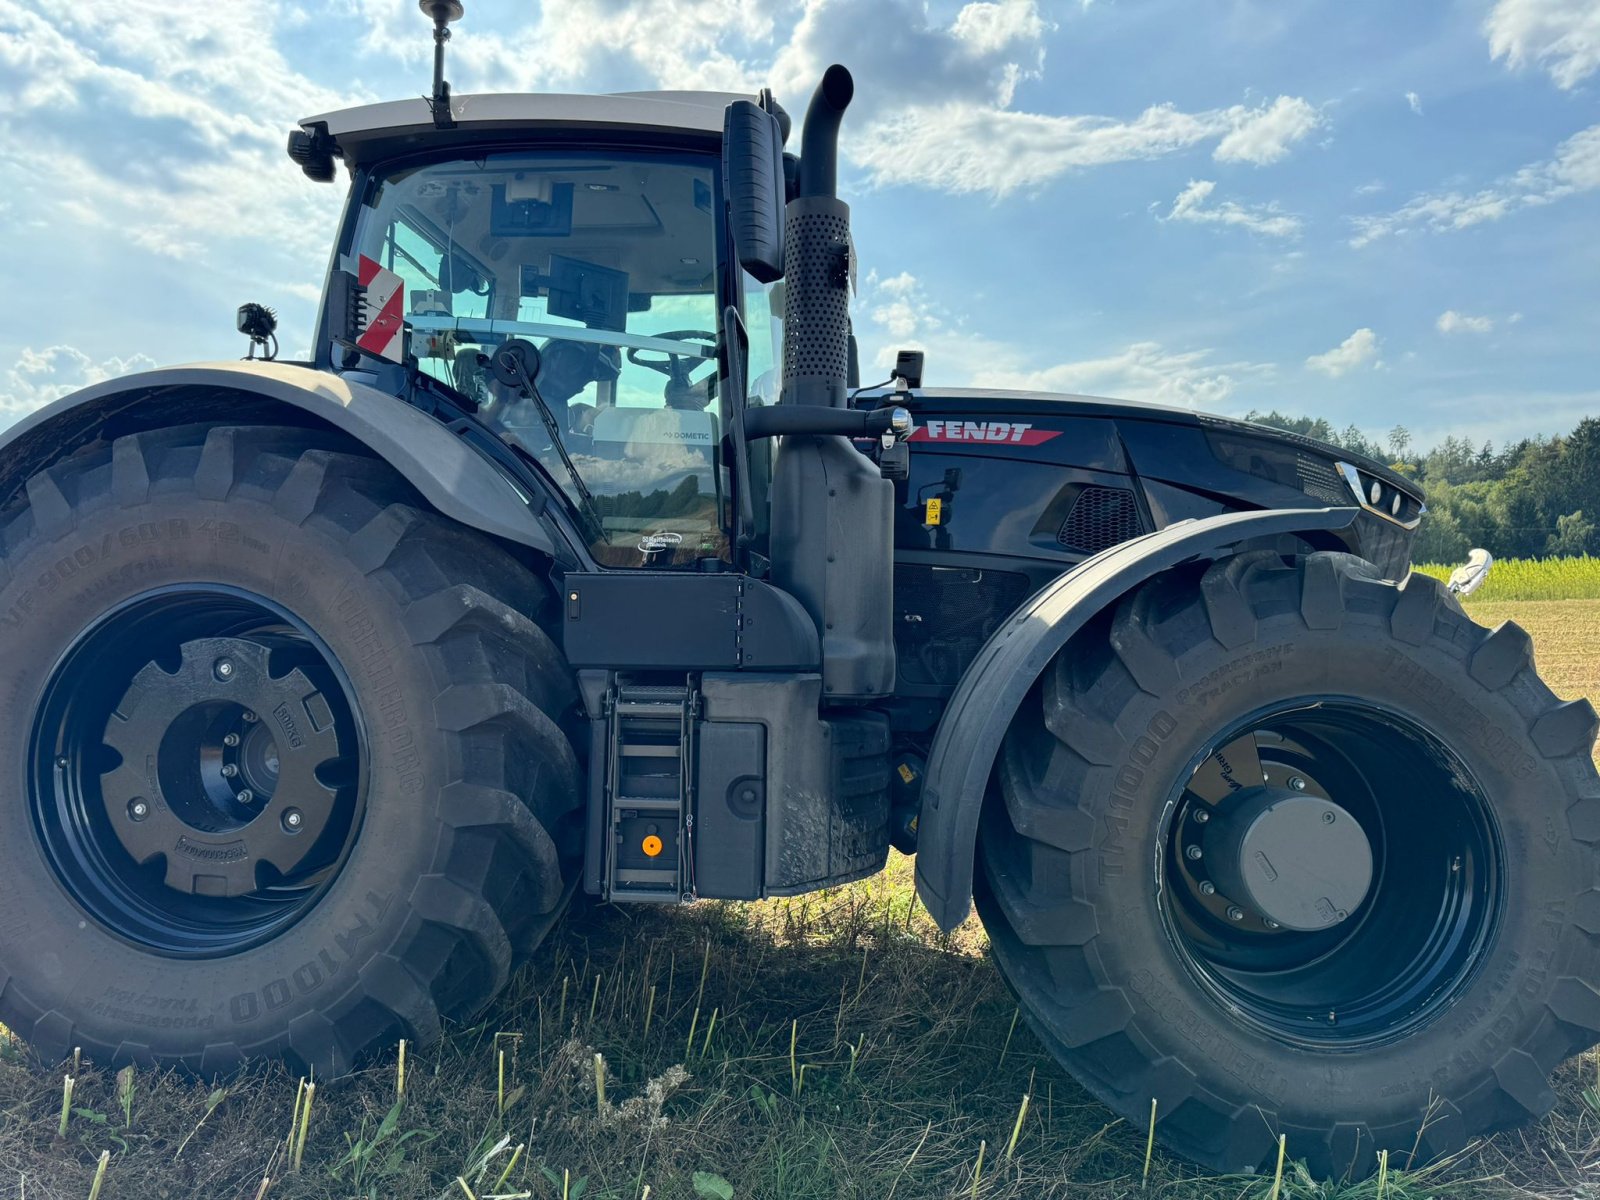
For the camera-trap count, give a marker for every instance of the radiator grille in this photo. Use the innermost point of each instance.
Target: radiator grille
(1319, 479)
(1100, 517)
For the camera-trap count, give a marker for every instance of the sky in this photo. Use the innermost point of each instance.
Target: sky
(1382, 213)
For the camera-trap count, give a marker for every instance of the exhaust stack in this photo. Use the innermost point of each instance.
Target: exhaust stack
(816, 329)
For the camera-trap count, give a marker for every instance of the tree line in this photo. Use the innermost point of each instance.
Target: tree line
(1533, 498)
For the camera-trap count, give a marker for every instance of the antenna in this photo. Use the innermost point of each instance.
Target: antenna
(443, 12)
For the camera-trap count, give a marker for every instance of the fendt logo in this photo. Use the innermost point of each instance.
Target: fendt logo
(1015, 433)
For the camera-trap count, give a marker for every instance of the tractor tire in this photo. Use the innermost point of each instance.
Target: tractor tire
(1289, 848)
(285, 768)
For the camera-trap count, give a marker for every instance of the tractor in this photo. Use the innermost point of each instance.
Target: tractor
(576, 560)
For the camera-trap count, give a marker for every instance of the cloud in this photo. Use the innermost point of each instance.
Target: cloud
(1357, 350)
(1262, 136)
(965, 147)
(1144, 371)
(977, 59)
(951, 124)
(41, 376)
(1415, 101)
(1573, 169)
(898, 313)
(1562, 36)
(990, 28)
(1265, 219)
(207, 144)
(1452, 321)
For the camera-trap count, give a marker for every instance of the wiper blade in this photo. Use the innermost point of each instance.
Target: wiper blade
(515, 363)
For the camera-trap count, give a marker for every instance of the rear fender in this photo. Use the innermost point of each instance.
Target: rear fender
(456, 480)
(990, 692)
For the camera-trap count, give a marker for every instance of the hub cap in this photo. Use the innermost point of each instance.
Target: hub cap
(1298, 860)
(223, 781)
(1331, 873)
(197, 770)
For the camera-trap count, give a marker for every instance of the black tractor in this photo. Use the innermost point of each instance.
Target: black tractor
(577, 560)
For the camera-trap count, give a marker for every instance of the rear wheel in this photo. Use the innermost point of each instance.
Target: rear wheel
(1293, 849)
(286, 752)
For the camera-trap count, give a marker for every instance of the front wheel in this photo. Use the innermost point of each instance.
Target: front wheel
(282, 767)
(1289, 848)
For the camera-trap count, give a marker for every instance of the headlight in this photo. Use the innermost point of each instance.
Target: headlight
(1382, 498)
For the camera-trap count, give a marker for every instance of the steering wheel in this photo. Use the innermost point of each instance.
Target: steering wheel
(681, 391)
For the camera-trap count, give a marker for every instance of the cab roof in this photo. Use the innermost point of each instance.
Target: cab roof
(372, 131)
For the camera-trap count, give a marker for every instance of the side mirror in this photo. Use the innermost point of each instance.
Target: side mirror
(752, 162)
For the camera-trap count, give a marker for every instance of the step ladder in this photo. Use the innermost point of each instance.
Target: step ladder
(650, 793)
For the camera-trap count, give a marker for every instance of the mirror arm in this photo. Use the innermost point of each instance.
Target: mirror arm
(822, 420)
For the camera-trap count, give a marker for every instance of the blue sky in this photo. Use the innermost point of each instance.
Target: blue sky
(1373, 211)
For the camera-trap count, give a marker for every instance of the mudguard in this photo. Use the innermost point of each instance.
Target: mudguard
(451, 476)
(969, 735)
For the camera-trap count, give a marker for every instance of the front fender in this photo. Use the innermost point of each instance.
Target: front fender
(980, 711)
(452, 477)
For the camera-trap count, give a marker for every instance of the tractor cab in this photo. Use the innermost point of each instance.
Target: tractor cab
(591, 236)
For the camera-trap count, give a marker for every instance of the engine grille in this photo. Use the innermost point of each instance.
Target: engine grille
(1100, 517)
(943, 616)
(1319, 479)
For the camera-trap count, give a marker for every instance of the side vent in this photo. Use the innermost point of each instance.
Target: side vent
(1101, 517)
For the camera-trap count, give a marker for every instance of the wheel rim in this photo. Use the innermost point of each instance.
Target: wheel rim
(1330, 873)
(196, 770)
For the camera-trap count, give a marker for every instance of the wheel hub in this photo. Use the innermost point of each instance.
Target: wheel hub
(232, 781)
(1301, 861)
(1332, 872)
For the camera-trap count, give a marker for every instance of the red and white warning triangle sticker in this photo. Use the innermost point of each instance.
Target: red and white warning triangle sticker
(384, 334)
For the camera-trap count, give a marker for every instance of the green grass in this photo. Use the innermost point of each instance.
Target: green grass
(1533, 579)
(939, 1069)
(907, 1056)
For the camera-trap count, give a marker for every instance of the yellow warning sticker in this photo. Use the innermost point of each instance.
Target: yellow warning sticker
(935, 512)
(906, 773)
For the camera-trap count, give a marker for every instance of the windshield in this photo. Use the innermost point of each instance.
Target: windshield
(607, 265)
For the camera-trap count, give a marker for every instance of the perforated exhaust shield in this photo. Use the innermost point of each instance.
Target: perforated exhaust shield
(816, 327)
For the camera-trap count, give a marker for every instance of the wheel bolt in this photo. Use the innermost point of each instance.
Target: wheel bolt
(246, 796)
(1202, 815)
(224, 668)
(1270, 923)
(1207, 888)
(292, 820)
(231, 739)
(229, 770)
(1194, 853)
(138, 810)
(249, 717)
(1297, 783)
(1235, 913)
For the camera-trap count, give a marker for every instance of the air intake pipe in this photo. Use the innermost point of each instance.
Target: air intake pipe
(816, 328)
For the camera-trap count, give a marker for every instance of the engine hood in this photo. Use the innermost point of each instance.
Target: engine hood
(1044, 415)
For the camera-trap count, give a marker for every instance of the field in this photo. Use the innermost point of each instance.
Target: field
(829, 1046)
(1535, 579)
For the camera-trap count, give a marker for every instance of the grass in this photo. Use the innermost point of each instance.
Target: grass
(841, 1047)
